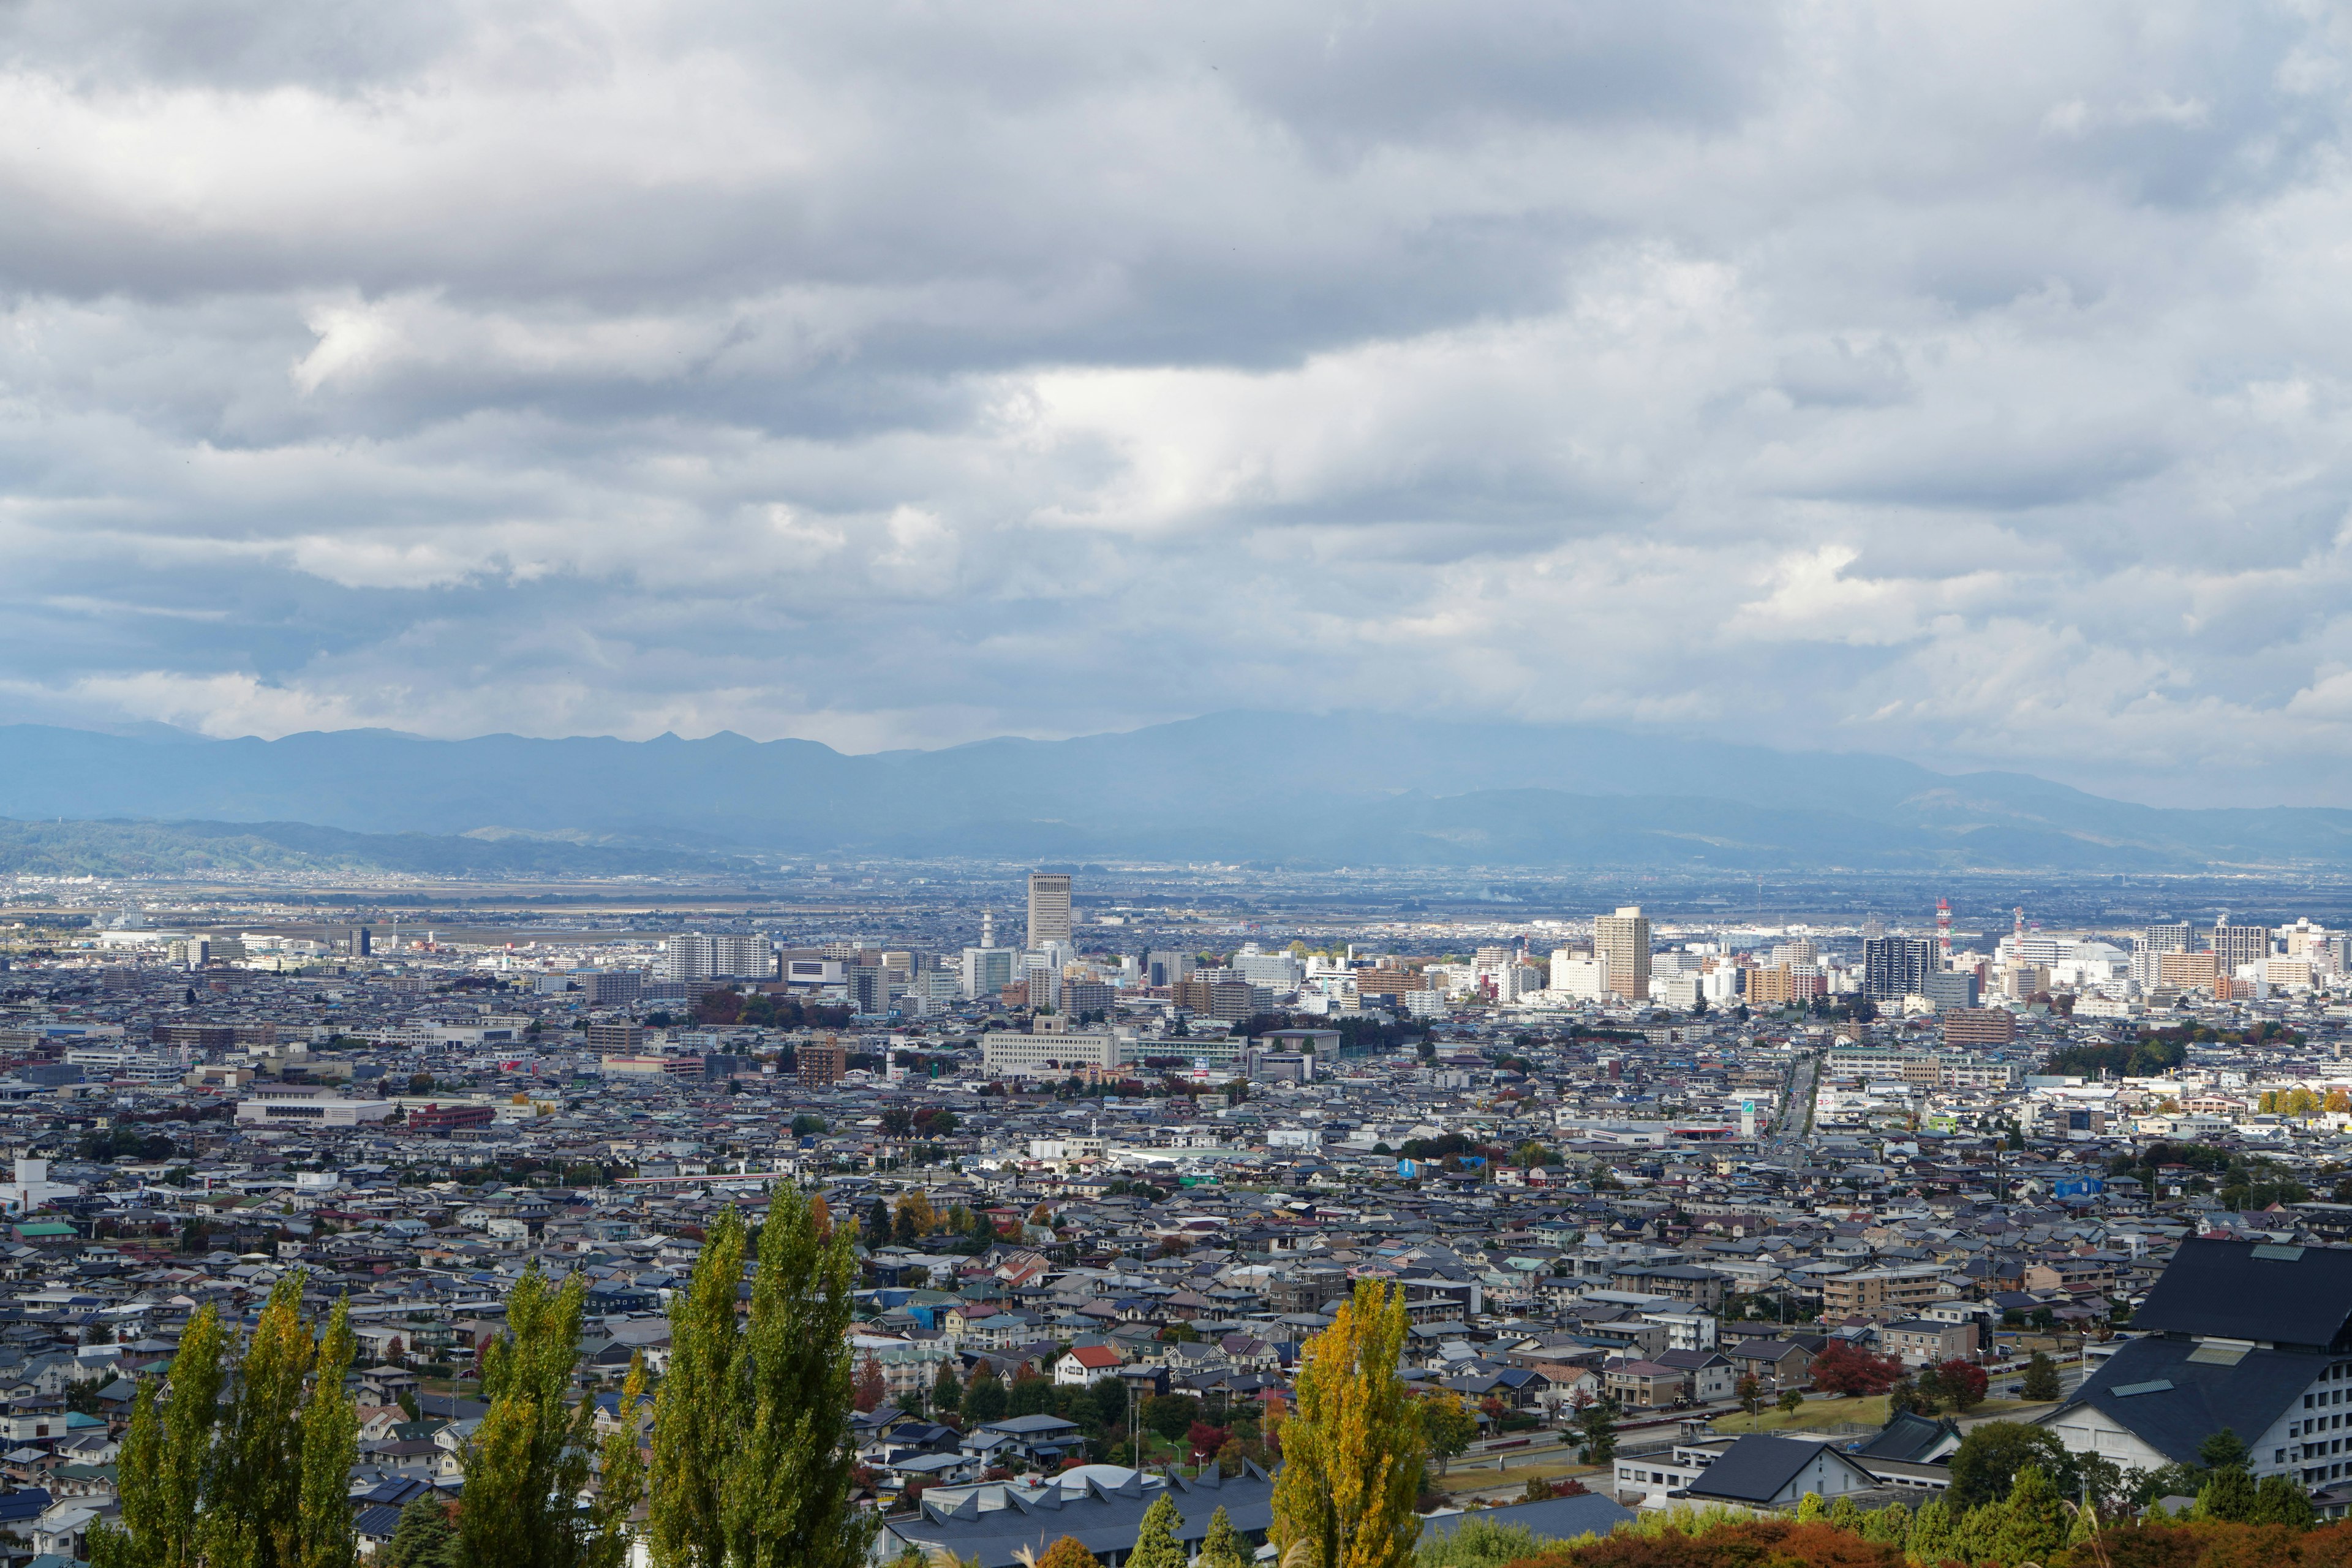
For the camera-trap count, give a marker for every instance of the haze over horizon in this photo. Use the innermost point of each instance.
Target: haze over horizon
(1967, 388)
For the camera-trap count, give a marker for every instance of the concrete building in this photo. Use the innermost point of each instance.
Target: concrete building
(1049, 908)
(1005, 1054)
(1622, 941)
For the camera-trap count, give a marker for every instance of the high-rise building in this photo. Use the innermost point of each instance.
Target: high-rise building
(1167, 968)
(1622, 941)
(2167, 938)
(1049, 908)
(694, 956)
(1896, 967)
(987, 971)
(2234, 946)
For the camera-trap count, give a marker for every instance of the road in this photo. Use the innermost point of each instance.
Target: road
(1792, 1124)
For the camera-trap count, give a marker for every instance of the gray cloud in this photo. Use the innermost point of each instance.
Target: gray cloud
(1968, 385)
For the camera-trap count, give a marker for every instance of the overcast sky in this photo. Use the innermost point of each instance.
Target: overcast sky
(1965, 383)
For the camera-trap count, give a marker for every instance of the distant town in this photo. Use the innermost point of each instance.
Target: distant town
(1672, 1204)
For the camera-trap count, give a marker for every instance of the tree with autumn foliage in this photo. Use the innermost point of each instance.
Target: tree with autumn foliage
(871, 1386)
(1354, 1449)
(1844, 1369)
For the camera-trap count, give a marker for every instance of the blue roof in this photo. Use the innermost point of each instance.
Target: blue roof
(1555, 1518)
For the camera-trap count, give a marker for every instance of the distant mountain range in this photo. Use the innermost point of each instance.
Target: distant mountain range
(1344, 789)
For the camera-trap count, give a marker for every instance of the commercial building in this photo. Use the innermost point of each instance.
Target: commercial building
(1949, 988)
(301, 1106)
(1622, 941)
(1896, 967)
(1049, 908)
(1005, 1054)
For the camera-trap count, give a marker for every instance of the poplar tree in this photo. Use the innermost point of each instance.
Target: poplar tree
(789, 1491)
(161, 1471)
(752, 1451)
(254, 1510)
(331, 1447)
(698, 1410)
(528, 1460)
(621, 1481)
(1354, 1449)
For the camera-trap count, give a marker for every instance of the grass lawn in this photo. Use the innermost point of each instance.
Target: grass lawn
(1868, 1409)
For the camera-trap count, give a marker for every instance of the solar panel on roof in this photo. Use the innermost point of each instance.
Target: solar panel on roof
(2278, 1253)
(2123, 1391)
(2218, 1352)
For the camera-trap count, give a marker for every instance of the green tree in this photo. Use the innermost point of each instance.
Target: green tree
(2281, 1500)
(2230, 1495)
(1935, 1533)
(947, 1394)
(2041, 1383)
(985, 1400)
(1809, 1509)
(696, 1414)
(1353, 1451)
(789, 1480)
(1596, 1428)
(1448, 1427)
(331, 1447)
(1888, 1526)
(1223, 1546)
(161, 1471)
(1156, 1545)
(424, 1537)
(1791, 1400)
(528, 1460)
(1987, 1461)
(621, 1478)
(2222, 1449)
(2033, 1525)
(1846, 1514)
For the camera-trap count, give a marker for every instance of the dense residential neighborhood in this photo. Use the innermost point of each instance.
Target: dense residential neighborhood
(1103, 1191)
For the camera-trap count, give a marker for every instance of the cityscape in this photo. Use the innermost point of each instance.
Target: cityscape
(1665, 1201)
(1309, 785)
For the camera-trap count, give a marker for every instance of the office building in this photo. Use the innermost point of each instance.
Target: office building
(1622, 941)
(986, 970)
(1896, 967)
(1160, 969)
(1947, 988)
(1230, 1000)
(2234, 946)
(1049, 908)
(1578, 974)
(2167, 938)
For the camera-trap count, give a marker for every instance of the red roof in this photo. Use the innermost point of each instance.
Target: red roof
(1096, 1356)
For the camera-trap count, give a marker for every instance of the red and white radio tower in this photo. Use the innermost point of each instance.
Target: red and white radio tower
(1944, 930)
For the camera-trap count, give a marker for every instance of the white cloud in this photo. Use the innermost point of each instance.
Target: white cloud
(1971, 385)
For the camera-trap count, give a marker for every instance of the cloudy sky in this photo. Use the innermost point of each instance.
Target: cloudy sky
(1967, 382)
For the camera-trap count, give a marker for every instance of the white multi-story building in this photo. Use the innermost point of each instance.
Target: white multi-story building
(695, 956)
(1579, 976)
